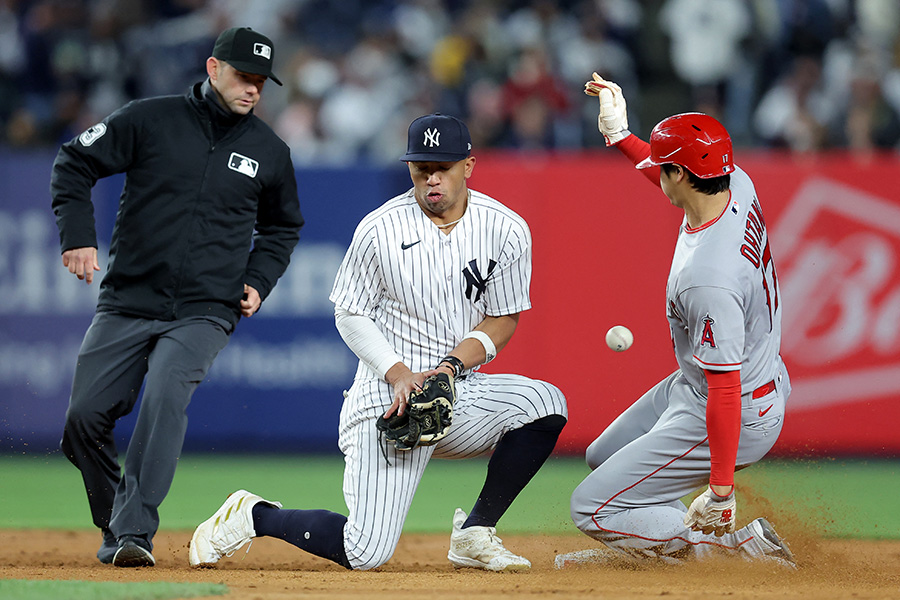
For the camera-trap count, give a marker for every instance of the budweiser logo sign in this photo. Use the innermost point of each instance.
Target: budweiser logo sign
(837, 251)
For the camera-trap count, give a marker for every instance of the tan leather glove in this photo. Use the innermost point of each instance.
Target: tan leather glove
(613, 118)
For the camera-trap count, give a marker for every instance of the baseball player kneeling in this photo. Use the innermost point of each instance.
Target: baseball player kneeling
(430, 289)
(724, 407)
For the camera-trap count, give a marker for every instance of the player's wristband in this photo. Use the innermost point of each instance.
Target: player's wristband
(490, 351)
(455, 364)
(717, 498)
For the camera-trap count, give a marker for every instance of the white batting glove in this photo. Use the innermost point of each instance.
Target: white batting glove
(613, 118)
(711, 513)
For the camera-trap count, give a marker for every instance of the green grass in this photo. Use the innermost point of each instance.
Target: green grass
(844, 498)
(24, 589)
(46, 491)
(858, 497)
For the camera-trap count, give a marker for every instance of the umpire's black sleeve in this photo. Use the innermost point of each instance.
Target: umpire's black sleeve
(102, 150)
(278, 224)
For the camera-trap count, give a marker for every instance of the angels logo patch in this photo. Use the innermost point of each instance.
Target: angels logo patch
(242, 164)
(708, 337)
(92, 134)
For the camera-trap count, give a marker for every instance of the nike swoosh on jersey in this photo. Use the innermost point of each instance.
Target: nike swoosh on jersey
(762, 412)
(405, 246)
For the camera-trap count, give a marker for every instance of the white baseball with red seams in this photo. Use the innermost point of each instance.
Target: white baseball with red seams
(619, 338)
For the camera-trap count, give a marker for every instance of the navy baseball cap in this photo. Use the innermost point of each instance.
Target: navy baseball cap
(437, 138)
(246, 50)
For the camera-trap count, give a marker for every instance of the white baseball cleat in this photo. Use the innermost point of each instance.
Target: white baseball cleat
(227, 530)
(480, 548)
(773, 547)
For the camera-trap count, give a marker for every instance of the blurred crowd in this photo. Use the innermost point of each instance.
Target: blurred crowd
(806, 75)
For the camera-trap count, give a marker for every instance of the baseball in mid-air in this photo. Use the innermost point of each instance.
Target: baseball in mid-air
(619, 338)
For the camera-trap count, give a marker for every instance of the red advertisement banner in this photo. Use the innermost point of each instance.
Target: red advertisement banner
(603, 239)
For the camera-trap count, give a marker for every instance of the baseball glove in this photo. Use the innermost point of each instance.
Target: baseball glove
(427, 418)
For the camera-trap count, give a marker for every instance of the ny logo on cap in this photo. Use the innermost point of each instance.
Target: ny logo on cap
(262, 50)
(432, 138)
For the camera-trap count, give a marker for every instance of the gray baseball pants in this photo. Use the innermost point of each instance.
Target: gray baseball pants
(119, 354)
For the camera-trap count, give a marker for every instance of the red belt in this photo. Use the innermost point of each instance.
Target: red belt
(764, 389)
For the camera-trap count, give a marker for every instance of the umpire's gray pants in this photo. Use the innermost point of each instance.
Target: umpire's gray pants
(119, 354)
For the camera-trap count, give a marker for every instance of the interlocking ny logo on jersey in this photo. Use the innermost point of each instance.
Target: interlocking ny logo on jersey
(474, 281)
(242, 164)
(432, 138)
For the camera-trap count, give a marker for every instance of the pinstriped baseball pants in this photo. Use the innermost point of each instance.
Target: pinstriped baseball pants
(378, 494)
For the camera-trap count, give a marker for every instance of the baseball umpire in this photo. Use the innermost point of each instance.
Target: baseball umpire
(205, 181)
(430, 288)
(723, 408)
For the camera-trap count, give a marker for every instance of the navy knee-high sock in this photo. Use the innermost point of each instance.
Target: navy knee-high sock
(518, 456)
(319, 532)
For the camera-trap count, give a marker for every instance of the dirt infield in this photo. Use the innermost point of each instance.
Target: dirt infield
(274, 570)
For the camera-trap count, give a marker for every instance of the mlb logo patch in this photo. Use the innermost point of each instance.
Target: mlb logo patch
(92, 134)
(242, 164)
(263, 50)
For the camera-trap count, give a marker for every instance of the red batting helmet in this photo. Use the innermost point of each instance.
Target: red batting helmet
(695, 141)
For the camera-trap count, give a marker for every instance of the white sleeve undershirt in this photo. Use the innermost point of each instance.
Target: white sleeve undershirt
(363, 337)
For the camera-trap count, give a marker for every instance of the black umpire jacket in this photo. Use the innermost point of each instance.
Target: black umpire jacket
(209, 203)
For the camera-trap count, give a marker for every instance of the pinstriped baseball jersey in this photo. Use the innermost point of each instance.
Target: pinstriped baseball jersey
(722, 294)
(426, 289)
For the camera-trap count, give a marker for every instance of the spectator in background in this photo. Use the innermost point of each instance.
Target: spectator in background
(66, 63)
(484, 103)
(596, 44)
(868, 122)
(534, 103)
(707, 54)
(795, 113)
(469, 65)
(374, 85)
(798, 27)
(52, 38)
(12, 62)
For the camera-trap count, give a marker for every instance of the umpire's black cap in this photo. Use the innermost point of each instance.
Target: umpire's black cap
(437, 138)
(246, 50)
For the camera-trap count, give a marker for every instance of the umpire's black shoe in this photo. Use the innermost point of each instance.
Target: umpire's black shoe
(133, 551)
(108, 548)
